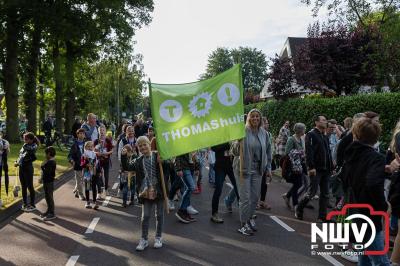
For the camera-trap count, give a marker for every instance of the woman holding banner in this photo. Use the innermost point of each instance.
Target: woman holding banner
(255, 150)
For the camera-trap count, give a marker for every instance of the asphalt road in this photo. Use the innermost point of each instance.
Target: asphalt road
(109, 236)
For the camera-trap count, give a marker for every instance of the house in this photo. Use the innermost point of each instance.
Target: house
(289, 50)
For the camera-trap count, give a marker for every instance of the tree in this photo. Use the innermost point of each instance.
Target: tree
(355, 11)
(254, 66)
(337, 58)
(281, 78)
(253, 61)
(219, 61)
(10, 67)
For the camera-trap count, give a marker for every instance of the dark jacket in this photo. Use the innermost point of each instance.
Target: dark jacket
(140, 175)
(344, 143)
(49, 171)
(27, 154)
(182, 162)
(141, 130)
(221, 160)
(364, 176)
(125, 165)
(75, 155)
(318, 155)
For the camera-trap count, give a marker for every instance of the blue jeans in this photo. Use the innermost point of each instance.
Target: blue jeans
(220, 174)
(381, 260)
(211, 173)
(124, 189)
(189, 185)
(393, 221)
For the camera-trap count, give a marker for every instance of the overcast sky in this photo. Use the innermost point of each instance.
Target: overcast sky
(182, 34)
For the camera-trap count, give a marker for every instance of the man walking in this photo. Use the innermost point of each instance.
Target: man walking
(320, 166)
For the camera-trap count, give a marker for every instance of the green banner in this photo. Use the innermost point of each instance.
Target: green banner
(188, 117)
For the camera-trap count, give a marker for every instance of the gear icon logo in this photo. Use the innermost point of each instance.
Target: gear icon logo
(200, 105)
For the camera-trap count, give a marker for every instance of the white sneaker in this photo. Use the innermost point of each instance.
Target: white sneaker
(191, 210)
(158, 242)
(171, 205)
(229, 185)
(142, 245)
(350, 256)
(98, 197)
(87, 205)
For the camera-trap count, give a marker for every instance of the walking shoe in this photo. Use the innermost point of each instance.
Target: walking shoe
(96, 206)
(228, 206)
(49, 217)
(216, 219)
(42, 215)
(124, 205)
(30, 208)
(350, 255)
(196, 191)
(297, 213)
(76, 195)
(171, 205)
(158, 242)
(287, 200)
(98, 197)
(82, 198)
(229, 185)
(191, 210)
(245, 230)
(309, 206)
(252, 225)
(182, 216)
(190, 218)
(87, 205)
(316, 197)
(143, 243)
(24, 208)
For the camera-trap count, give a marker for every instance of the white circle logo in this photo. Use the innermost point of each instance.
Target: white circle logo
(228, 94)
(171, 110)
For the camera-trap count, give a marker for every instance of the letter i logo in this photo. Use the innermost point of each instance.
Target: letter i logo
(228, 94)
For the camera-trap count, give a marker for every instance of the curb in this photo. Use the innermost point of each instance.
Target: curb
(14, 209)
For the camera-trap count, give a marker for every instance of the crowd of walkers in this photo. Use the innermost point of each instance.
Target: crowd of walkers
(333, 164)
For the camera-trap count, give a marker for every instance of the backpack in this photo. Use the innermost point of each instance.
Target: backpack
(286, 166)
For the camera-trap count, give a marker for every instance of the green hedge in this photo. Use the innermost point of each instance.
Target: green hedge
(303, 110)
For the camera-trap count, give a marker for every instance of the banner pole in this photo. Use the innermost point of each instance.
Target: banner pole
(163, 186)
(241, 160)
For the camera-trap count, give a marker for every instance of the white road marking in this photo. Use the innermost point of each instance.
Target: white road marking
(333, 261)
(92, 225)
(72, 260)
(115, 185)
(279, 221)
(106, 201)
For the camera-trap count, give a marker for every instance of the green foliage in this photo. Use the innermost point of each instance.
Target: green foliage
(303, 110)
(254, 65)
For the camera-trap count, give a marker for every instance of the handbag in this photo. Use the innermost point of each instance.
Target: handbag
(148, 191)
(17, 188)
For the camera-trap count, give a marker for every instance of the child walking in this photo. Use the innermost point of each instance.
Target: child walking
(48, 175)
(89, 163)
(149, 188)
(127, 174)
(27, 155)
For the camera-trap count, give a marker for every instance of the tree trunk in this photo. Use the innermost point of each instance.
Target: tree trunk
(42, 112)
(69, 69)
(10, 75)
(30, 85)
(58, 82)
